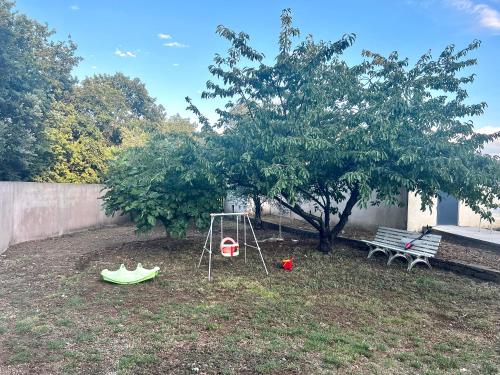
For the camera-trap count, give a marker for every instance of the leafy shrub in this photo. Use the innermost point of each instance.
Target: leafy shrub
(168, 180)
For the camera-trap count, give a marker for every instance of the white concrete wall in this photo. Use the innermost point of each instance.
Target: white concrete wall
(6, 213)
(467, 217)
(408, 217)
(369, 218)
(32, 211)
(374, 216)
(237, 204)
(496, 215)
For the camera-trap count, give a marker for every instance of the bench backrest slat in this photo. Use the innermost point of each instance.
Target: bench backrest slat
(404, 233)
(427, 245)
(426, 252)
(399, 240)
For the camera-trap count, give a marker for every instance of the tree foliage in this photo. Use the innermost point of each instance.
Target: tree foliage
(169, 180)
(241, 159)
(338, 135)
(53, 128)
(77, 151)
(104, 115)
(34, 71)
(117, 104)
(177, 124)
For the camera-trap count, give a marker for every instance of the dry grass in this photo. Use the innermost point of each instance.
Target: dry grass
(340, 314)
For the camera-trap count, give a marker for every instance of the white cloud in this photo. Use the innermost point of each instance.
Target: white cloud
(119, 52)
(175, 44)
(164, 36)
(486, 16)
(74, 7)
(489, 129)
(491, 148)
(175, 64)
(94, 67)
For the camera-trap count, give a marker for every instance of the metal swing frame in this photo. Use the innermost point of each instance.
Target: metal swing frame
(209, 239)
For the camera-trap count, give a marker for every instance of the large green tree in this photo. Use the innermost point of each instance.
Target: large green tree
(341, 135)
(53, 128)
(35, 71)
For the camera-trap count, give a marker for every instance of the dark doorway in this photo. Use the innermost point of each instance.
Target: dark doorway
(447, 210)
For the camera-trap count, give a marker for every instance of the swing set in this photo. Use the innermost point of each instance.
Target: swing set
(228, 246)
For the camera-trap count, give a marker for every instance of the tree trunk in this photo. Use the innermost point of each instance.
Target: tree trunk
(344, 217)
(258, 212)
(325, 241)
(327, 235)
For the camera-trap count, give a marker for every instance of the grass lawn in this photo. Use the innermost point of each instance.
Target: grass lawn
(333, 314)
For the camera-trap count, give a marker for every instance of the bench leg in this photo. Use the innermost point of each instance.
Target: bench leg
(374, 250)
(399, 255)
(419, 260)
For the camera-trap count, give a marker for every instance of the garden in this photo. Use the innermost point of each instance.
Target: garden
(331, 314)
(338, 313)
(308, 131)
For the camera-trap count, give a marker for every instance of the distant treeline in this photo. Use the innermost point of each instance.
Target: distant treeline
(55, 128)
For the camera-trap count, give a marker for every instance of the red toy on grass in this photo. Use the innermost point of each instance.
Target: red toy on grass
(287, 264)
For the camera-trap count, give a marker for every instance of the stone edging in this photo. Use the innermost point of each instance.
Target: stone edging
(456, 266)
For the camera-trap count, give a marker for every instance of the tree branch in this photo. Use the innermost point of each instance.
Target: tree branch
(344, 216)
(315, 221)
(276, 88)
(248, 106)
(299, 109)
(312, 197)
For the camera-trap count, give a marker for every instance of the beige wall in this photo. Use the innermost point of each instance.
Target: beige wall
(31, 211)
(467, 218)
(417, 218)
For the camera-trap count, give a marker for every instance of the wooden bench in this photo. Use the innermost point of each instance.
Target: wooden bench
(392, 242)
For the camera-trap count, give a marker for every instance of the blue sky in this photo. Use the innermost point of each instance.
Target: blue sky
(169, 44)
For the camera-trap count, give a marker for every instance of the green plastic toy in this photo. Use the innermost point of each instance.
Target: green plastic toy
(125, 277)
